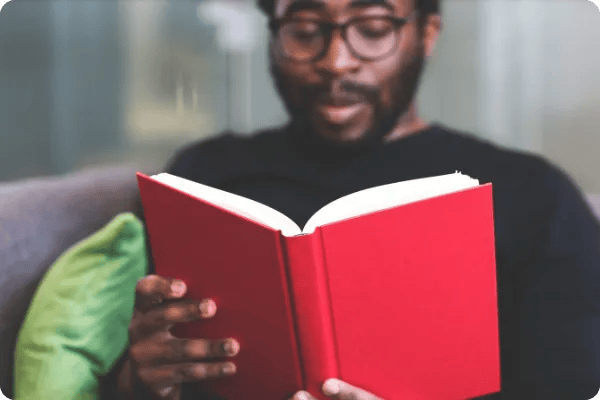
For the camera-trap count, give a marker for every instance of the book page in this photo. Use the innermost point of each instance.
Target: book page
(388, 196)
(237, 204)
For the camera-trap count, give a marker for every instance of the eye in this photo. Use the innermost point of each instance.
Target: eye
(375, 28)
(305, 31)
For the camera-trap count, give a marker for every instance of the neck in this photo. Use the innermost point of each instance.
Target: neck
(408, 124)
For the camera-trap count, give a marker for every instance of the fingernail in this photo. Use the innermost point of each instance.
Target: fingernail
(208, 308)
(166, 391)
(178, 288)
(301, 396)
(231, 347)
(331, 387)
(229, 369)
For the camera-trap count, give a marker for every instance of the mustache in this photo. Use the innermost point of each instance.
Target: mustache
(352, 87)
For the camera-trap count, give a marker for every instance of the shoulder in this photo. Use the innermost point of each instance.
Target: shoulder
(529, 190)
(491, 162)
(206, 150)
(219, 154)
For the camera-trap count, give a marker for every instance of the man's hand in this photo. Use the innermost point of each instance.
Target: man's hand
(339, 390)
(159, 361)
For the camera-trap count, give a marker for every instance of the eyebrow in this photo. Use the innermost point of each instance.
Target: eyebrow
(372, 3)
(302, 5)
(316, 5)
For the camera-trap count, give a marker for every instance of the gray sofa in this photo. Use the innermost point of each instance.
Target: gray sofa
(42, 217)
(39, 219)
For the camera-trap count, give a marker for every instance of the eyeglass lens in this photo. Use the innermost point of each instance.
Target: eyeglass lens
(368, 38)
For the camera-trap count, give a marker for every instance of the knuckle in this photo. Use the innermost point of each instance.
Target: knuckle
(148, 292)
(198, 371)
(192, 310)
(143, 374)
(181, 312)
(198, 348)
(350, 395)
(215, 370)
(207, 370)
(174, 313)
(228, 368)
(216, 348)
(146, 283)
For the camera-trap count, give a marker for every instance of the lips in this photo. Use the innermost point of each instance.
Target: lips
(340, 109)
(339, 114)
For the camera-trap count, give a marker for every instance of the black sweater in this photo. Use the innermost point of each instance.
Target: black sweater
(547, 239)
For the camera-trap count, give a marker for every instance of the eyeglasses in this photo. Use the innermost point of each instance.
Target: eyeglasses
(368, 38)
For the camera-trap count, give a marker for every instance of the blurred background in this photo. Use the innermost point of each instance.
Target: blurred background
(86, 83)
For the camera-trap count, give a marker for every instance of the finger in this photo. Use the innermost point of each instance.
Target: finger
(340, 390)
(163, 377)
(165, 316)
(302, 395)
(169, 392)
(182, 350)
(153, 290)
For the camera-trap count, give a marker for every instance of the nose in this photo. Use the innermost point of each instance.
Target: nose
(338, 60)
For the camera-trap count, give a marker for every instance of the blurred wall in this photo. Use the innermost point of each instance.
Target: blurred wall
(60, 71)
(523, 74)
(93, 82)
(571, 114)
(25, 70)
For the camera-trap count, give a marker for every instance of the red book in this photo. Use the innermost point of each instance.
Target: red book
(391, 289)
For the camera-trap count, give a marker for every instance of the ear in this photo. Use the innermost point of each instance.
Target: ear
(431, 32)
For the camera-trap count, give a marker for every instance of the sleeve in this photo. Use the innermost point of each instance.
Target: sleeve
(558, 319)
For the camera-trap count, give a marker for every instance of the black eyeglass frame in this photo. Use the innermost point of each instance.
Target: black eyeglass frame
(329, 27)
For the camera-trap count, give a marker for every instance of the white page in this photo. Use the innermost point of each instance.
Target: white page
(240, 205)
(388, 196)
(352, 205)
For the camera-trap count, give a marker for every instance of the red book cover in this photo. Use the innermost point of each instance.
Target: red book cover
(401, 302)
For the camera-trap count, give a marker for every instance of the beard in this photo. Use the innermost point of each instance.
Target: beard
(300, 99)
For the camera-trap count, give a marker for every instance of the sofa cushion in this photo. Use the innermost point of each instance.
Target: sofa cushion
(77, 324)
(39, 219)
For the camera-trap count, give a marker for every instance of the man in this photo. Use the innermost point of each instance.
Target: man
(348, 71)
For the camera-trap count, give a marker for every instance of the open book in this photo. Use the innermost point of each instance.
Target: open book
(392, 288)
(352, 205)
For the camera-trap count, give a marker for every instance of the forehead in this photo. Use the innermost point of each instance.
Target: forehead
(335, 7)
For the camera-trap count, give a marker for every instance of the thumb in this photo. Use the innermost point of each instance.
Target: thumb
(340, 390)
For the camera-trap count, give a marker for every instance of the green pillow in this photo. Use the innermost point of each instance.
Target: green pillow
(76, 327)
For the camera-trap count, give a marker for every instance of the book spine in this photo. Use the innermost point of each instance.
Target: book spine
(311, 303)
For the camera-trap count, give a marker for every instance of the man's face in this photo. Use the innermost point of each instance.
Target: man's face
(341, 96)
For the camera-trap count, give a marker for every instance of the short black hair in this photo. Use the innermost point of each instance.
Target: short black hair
(425, 7)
